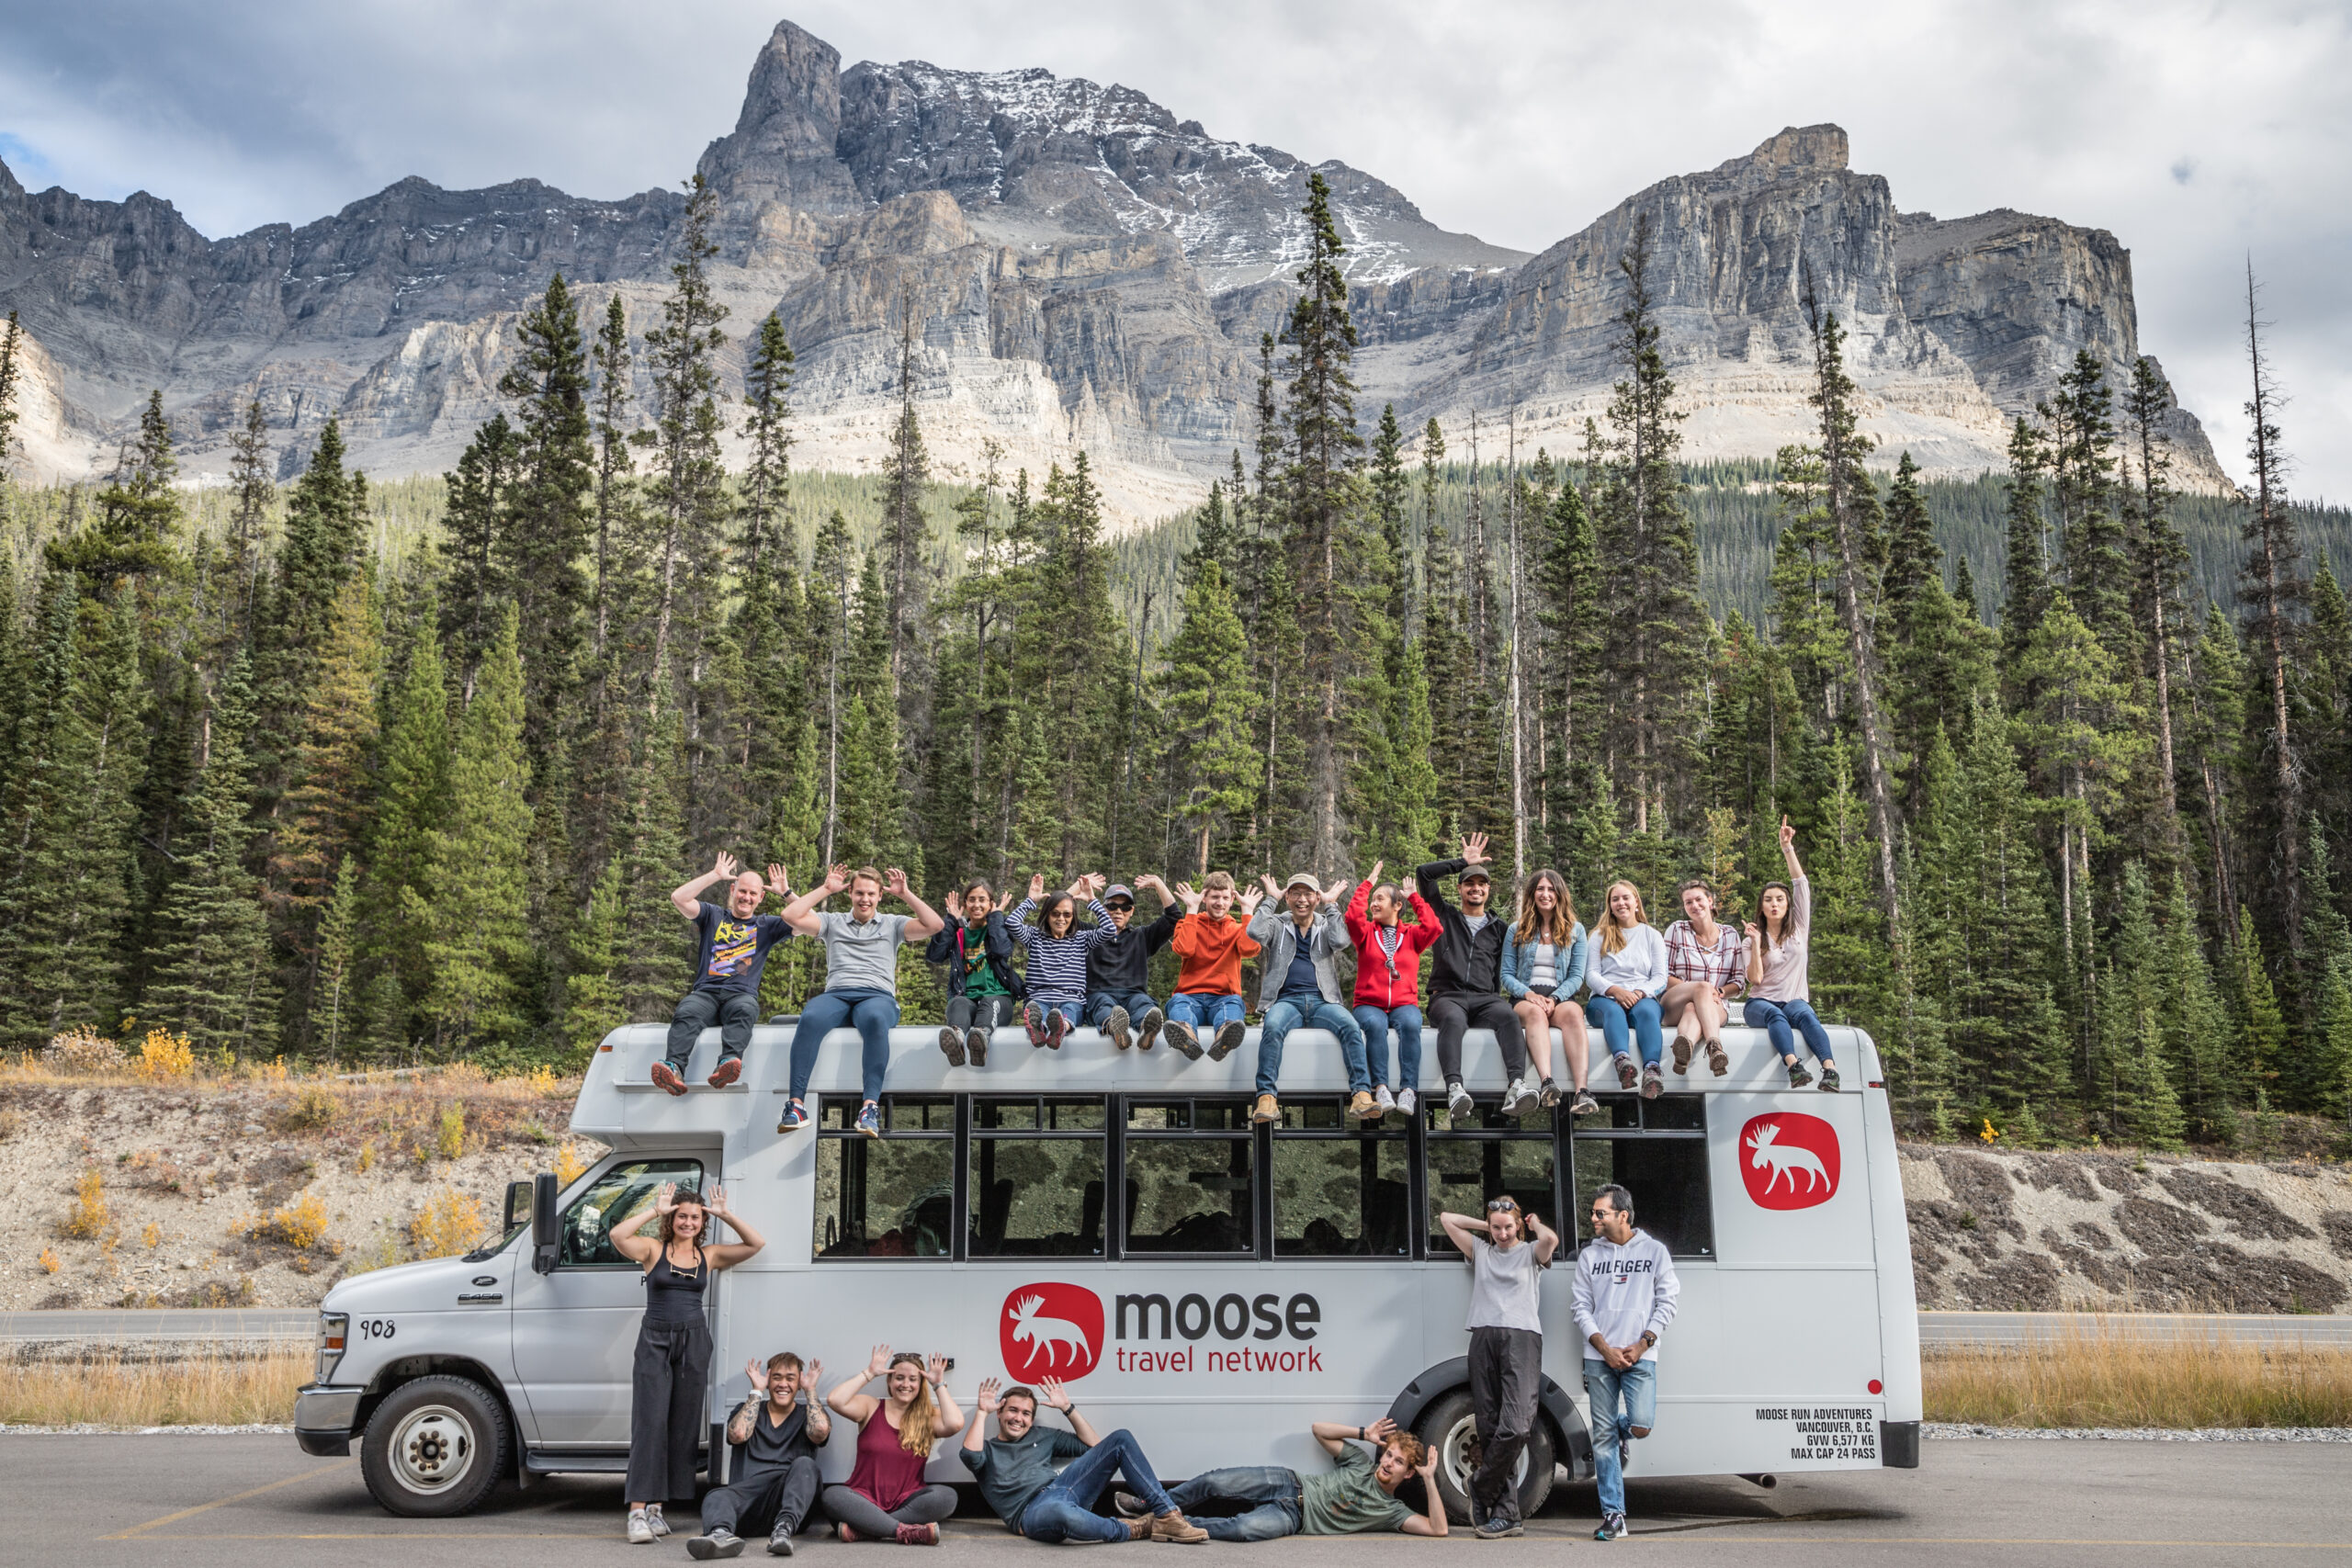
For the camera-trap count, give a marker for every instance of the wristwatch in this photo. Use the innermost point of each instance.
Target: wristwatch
(1649, 1337)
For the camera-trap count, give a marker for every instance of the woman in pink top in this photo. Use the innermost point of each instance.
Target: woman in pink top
(1776, 953)
(885, 1498)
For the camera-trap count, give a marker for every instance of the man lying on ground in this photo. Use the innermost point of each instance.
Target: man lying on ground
(1043, 1481)
(1359, 1495)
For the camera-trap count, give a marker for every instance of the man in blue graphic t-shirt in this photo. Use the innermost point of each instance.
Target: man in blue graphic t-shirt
(732, 948)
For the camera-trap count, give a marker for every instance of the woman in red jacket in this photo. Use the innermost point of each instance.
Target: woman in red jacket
(1388, 985)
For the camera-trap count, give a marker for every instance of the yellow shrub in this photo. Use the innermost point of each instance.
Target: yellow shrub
(87, 1218)
(164, 1055)
(452, 1223)
(272, 1071)
(301, 1225)
(461, 1074)
(312, 1107)
(542, 1081)
(49, 1261)
(452, 1140)
(153, 1235)
(569, 1165)
(366, 1159)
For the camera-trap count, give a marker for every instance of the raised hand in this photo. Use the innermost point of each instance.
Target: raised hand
(1788, 834)
(757, 1370)
(1380, 1431)
(986, 1398)
(1749, 928)
(1266, 881)
(1375, 877)
(1331, 894)
(665, 1199)
(779, 880)
(1036, 885)
(1249, 902)
(1004, 901)
(1427, 1469)
(879, 1362)
(724, 866)
(812, 1378)
(1056, 1392)
(1474, 848)
(1188, 894)
(952, 904)
(836, 878)
(715, 1200)
(936, 1370)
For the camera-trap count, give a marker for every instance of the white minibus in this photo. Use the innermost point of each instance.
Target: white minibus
(1113, 1218)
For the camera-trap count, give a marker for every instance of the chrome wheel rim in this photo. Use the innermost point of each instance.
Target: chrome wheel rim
(432, 1449)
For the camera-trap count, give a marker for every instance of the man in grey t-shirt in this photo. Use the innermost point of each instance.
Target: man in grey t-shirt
(860, 979)
(1508, 1251)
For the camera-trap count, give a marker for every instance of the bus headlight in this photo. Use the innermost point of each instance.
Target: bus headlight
(333, 1328)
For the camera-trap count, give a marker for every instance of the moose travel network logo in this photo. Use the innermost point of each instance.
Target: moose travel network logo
(1789, 1160)
(1051, 1330)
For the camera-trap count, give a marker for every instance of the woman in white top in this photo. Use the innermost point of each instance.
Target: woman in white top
(1625, 966)
(1778, 952)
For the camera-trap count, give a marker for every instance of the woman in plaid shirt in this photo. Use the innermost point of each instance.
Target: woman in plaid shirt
(1706, 965)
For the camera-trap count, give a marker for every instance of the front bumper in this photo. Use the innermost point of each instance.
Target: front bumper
(323, 1418)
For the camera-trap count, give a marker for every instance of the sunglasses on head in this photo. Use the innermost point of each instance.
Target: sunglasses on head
(908, 1358)
(1497, 1205)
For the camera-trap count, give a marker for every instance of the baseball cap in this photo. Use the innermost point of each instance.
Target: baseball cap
(1300, 879)
(1118, 890)
(1480, 872)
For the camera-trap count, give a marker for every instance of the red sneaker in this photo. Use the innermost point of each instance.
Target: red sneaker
(918, 1535)
(729, 1068)
(666, 1077)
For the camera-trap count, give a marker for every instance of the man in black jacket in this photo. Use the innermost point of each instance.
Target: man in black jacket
(1466, 981)
(1116, 967)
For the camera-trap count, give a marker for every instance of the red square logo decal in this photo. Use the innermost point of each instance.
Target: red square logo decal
(1051, 1330)
(1789, 1160)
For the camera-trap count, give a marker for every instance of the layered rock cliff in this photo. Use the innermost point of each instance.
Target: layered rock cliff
(1084, 269)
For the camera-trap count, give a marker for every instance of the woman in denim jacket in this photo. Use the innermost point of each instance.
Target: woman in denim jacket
(1543, 958)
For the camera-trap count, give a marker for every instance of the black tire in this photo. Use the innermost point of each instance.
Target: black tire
(1450, 1430)
(434, 1448)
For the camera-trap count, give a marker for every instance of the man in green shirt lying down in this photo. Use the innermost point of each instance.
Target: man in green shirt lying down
(1359, 1495)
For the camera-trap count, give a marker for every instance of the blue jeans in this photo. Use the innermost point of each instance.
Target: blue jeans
(1065, 1509)
(1272, 1489)
(1605, 1014)
(1604, 1388)
(1288, 1014)
(1774, 1017)
(1203, 1009)
(872, 1013)
(1375, 1024)
(1100, 1003)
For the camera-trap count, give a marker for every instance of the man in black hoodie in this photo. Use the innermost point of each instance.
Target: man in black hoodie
(1115, 968)
(1465, 982)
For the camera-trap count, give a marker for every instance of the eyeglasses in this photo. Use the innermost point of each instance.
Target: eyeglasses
(1118, 906)
(1496, 1205)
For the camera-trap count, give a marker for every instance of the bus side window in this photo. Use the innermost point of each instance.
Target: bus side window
(1036, 1180)
(1191, 1170)
(618, 1193)
(1660, 1154)
(1486, 1155)
(888, 1197)
(1341, 1190)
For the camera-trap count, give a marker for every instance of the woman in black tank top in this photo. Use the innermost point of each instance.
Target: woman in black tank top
(673, 1365)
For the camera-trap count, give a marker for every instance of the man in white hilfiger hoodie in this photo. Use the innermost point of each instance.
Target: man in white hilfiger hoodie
(1624, 1294)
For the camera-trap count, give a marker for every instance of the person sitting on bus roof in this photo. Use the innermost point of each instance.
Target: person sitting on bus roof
(983, 993)
(1777, 955)
(1508, 1252)
(860, 979)
(1059, 949)
(1042, 1483)
(1624, 1295)
(1300, 986)
(1388, 985)
(1210, 944)
(1706, 965)
(1360, 1495)
(732, 948)
(1625, 970)
(1543, 971)
(774, 1477)
(1466, 981)
(1116, 1002)
(886, 1498)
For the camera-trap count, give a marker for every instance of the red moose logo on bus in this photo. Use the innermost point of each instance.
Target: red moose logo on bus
(1051, 1330)
(1790, 1160)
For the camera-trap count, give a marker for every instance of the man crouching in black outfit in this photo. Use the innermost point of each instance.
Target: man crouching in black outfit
(776, 1440)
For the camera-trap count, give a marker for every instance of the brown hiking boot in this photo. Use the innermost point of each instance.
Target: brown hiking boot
(1228, 1041)
(1718, 1059)
(1173, 1526)
(975, 1047)
(1681, 1054)
(666, 1077)
(729, 1068)
(1362, 1106)
(951, 1044)
(1266, 1109)
(1139, 1527)
(1181, 1036)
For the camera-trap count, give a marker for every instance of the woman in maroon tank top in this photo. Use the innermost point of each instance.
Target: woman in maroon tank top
(885, 1498)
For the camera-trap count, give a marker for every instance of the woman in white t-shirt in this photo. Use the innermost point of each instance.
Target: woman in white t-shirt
(1625, 968)
(1778, 948)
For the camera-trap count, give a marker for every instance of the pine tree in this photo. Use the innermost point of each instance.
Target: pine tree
(412, 802)
(2026, 582)
(332, 992)
(2159, 562)
(906, 532)
(593, 1004)
(138, 512)
(1207, 695)
(2325, 1081)
(2259, 1026)
(2082, 492)
(249, 476)
(2271, 589)
(550, 516)
(615, 505)
(476, 577)
(2139, 1101)
(11, 373)
(688, 483)
(2195, 1026)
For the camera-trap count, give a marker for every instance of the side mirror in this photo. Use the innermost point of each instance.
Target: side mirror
(518, 1204)
(544, 1240)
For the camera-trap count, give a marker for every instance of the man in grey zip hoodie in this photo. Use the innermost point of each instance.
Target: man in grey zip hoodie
(1624, 1294)
(1299, 943)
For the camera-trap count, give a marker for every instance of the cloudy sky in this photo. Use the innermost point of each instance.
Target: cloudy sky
(2201, 134)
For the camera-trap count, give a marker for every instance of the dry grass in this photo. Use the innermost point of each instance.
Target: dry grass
(106, 1390)
(2096, 1377)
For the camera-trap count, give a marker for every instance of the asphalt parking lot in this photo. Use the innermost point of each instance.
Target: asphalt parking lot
(258, 1502)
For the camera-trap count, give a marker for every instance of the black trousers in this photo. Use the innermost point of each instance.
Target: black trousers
(665, 1408)
(982, 1012)
(1458, 1012)
(764, 1499)
(737, 1014)
(1506, 1378)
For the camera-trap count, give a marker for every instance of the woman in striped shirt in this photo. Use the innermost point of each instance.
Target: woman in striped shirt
(1058, 950)
(1706, 962)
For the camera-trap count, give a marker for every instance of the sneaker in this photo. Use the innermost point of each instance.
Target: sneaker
(1625, 1074)
(1829, 1077)
(1130, 1506)
(1681, 1055)
(718, 1543)
(1034, 1019)
(1148, 1029)
(1362, 1107)
(951, 1044)
(780, 1543)
(1612, 1528)
(1181, 1037)
(1519, 1098)
(918, 1535)
(1583, 1104)
(1798, 1077)
(1652, 1081)
(1407, 1103)
(1228, 1041)
(1497, 1528)
(1173, 1526)
(1457, 1100)
(1382, 1100)
(1718, 1059)
(870, 1120)
(640, 1529)
(1057, 1029)
(653, 1517)
(666, 1077)
(795, 1116)
(729, 1068)
(1550, 1096)
(975, 1047)
(1114, 1028)
(846, 1533)
(1266, 1109)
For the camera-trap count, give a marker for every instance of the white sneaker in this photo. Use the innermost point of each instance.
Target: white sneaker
(1518, 1099)
(1407, 1103)
(1457, 1100)
(654, 1520)
(640, 1530)
(1382, 1100)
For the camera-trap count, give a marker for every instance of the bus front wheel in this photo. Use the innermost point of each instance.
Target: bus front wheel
(434, 1448)
(1451, 1433)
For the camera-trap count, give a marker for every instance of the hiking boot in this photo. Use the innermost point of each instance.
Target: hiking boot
(795, 1116)
(729, 1068)
(975, 1047)
(918, 1535)
(1457, 1100)
(1612, 1528)
(1681, 1055)
(640, 1529)
(1173, 1526)
(1829, 1077)
(666, 1077)
(1138, 1529)
(1498, 1528)
(1034, 1021)
(1362, 1107)
(1181, 1036)
(870, 1120)
(1550, 1096)
(1057, 1029)
(1115, 1027)
(1625, 1071)
(780, 1541)
(1148, 1028)
(1718, 1059)
(1228, 1041)
(1266, 1109)
(951, 1044)
(1583, 1104)
(718, 1543)
(1519, 1098)
(1652, 1081)
(1798, 1077)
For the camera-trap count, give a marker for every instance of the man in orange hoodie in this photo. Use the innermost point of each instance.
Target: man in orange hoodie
(1210, 944)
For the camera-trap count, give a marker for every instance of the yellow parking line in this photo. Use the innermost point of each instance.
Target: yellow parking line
(1776, 1539)
(224, 1502)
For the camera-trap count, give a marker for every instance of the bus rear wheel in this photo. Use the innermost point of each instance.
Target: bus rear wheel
(434, 1448)
(1451, 1433)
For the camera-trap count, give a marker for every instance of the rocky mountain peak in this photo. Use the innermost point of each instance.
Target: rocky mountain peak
(1822, 147)
(783, 146)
